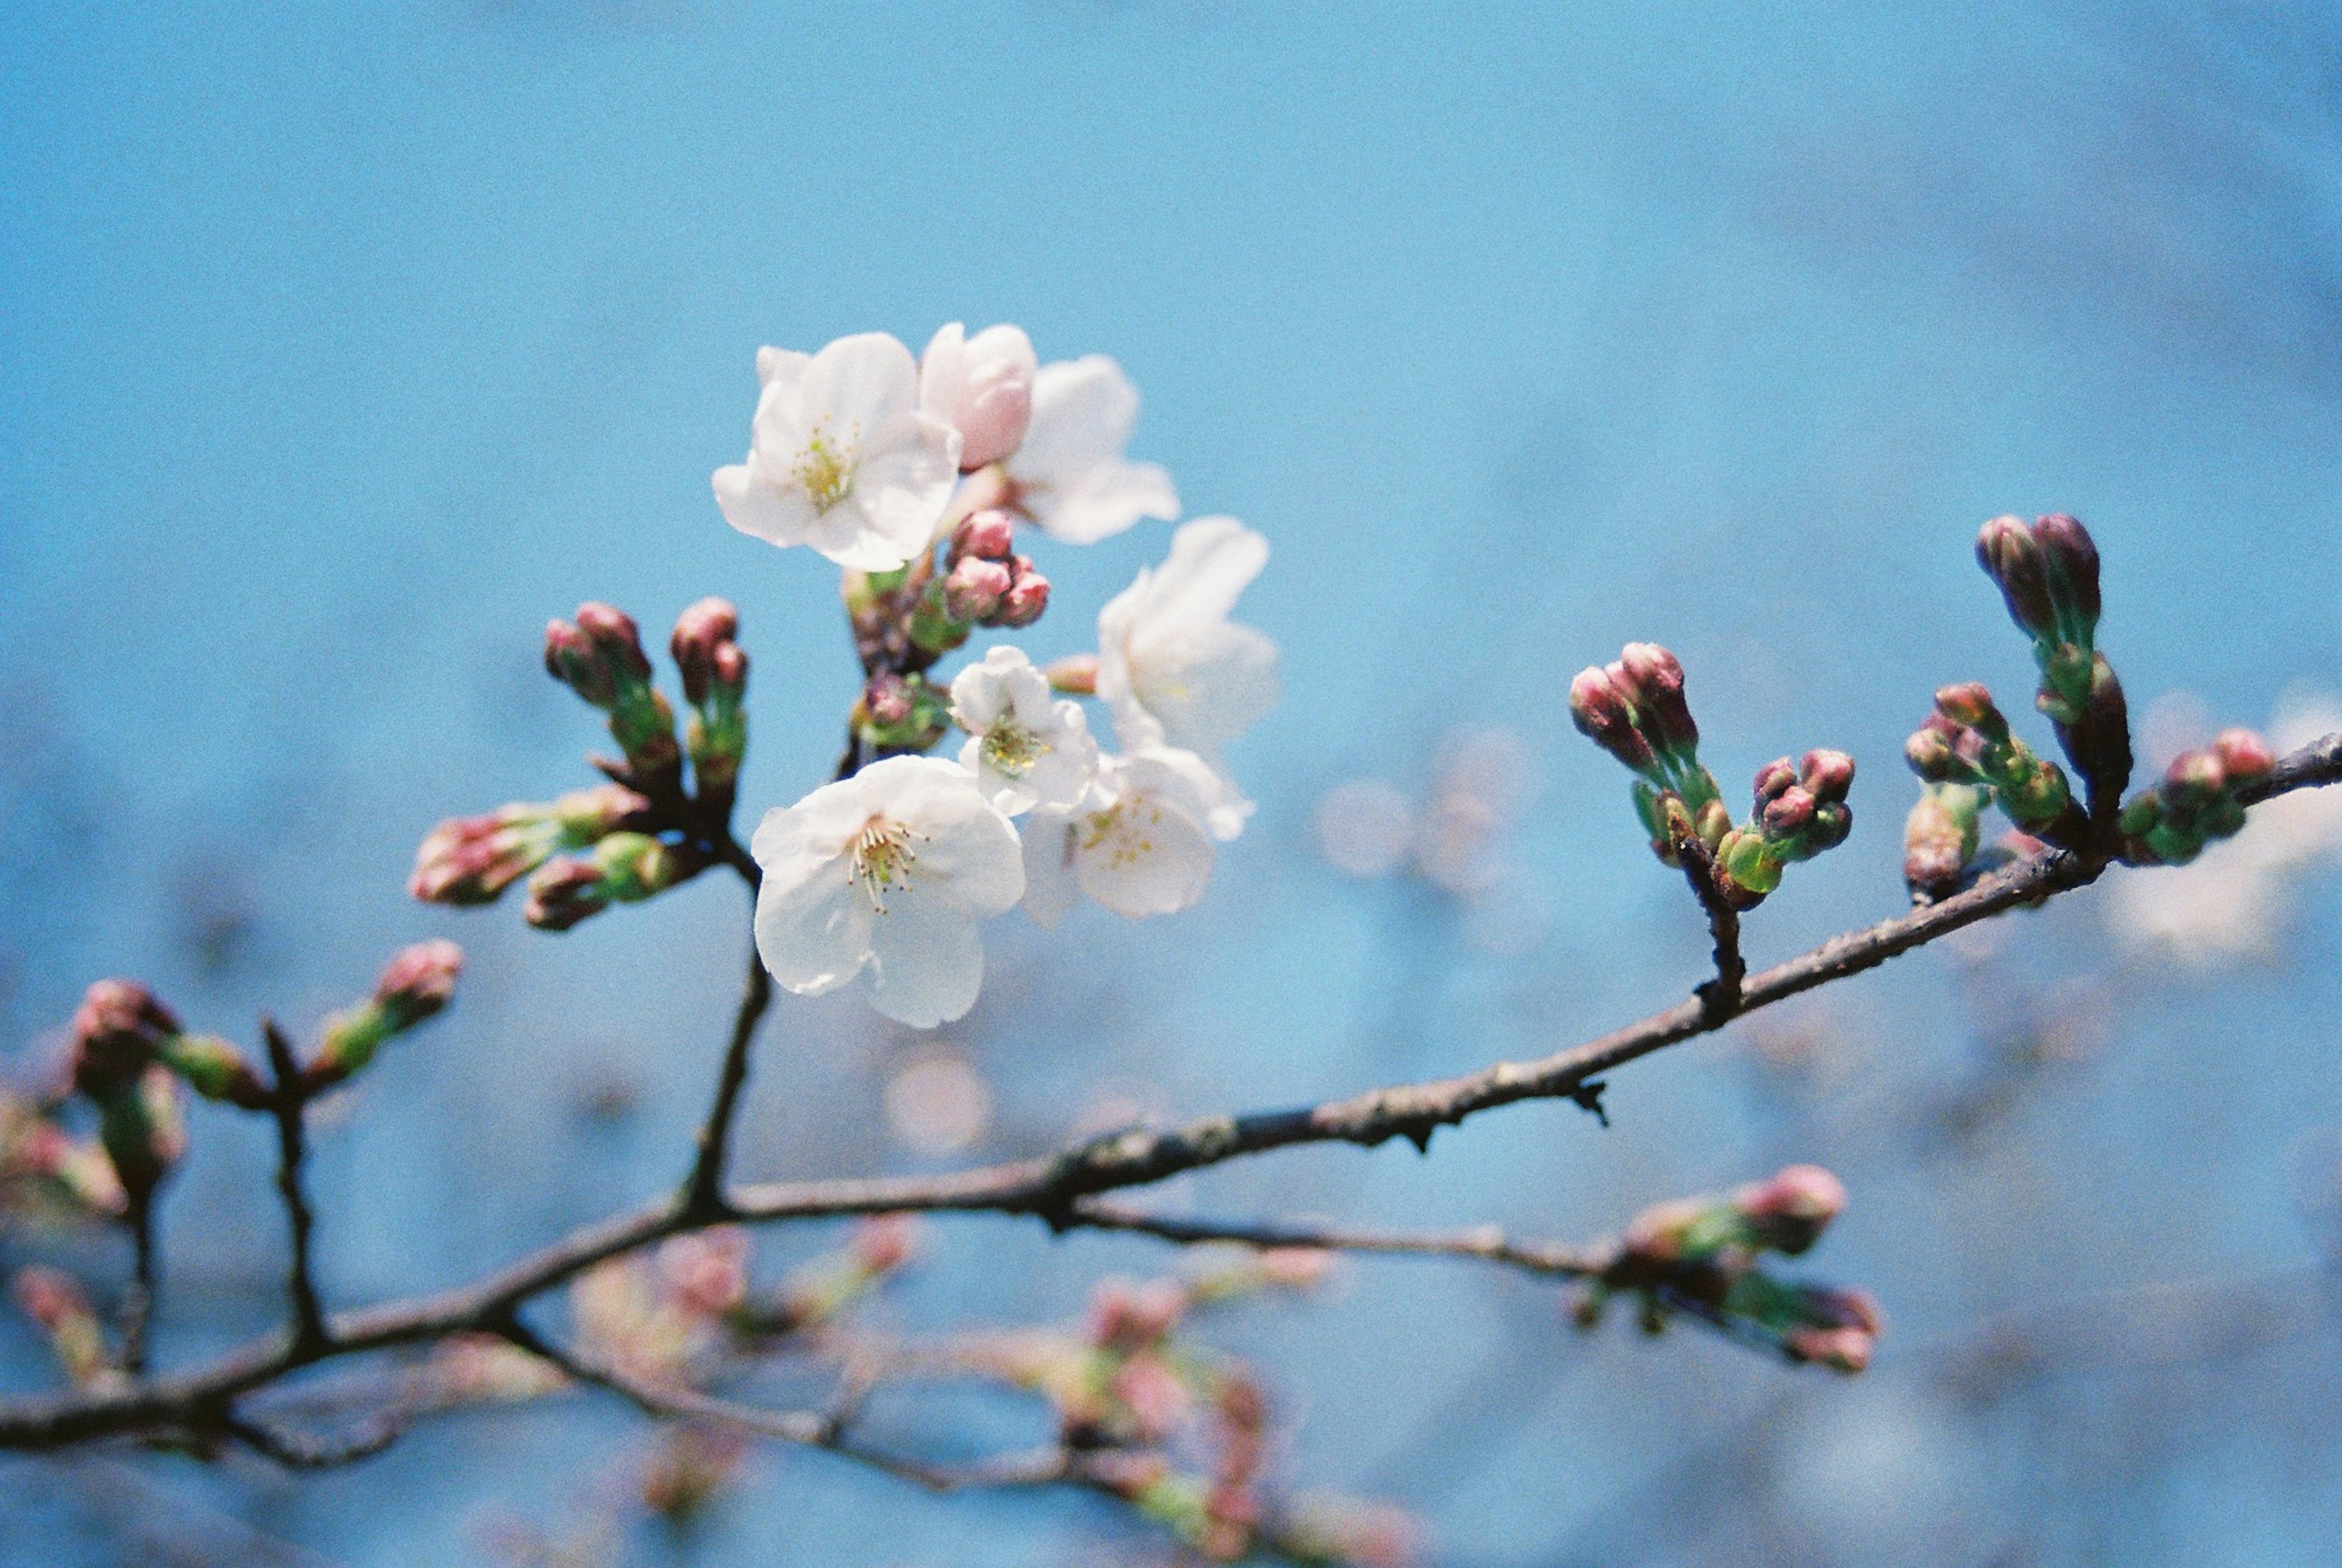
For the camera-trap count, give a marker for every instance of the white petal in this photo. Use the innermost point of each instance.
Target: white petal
(1050, 886)
(782, 366)
(927, 960)
(812, 921)
(1105, 501)
(761, 509)
(1144, 856)
(942, 373)
(1083, 412)
(867, 380)
(1206, 682)
(967, 854)
(1212, 560)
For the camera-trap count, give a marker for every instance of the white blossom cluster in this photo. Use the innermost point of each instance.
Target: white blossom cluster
(872, 457)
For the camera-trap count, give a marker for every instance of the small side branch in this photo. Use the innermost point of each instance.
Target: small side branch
(1722, 995)
(288, 1102)
(1486, 1243)
(703, 1198)
(146, 1283)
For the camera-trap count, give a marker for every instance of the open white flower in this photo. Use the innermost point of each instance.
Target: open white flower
(840, 456)
(1140, 843)
(1172, 667)
(981, 386)
(1070, 475)
(887, 875)
(1026, 746)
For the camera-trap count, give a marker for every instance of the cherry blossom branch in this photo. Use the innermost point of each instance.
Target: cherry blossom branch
(138, 1304)
(1054, 1188)
(1722, 995)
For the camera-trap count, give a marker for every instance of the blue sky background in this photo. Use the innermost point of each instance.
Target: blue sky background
(342, 345)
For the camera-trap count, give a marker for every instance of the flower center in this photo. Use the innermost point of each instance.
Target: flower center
(883, 857)
(1012, 749)
(825, 469)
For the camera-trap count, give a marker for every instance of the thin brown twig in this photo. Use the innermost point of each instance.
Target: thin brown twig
(1486, 1243)
(312, 1335)
(1722, 993)
(1055, 1188)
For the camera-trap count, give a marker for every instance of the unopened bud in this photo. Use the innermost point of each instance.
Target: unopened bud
(902, 713)
(563, 893)
(1603, 714)
(56, 1301)
(1027, 598)
(2070, 558)
(416, 984)
(2011, 557)
(701, 636)
(119, 1029)
(1939, 838)
(1846, 1350)
(983, 387)
(883, 1242)
(973, 590)
(2244, 757)
(989, 534)
(1074, 675)
(418, 981)
(1653, 680)
(1789, 1212)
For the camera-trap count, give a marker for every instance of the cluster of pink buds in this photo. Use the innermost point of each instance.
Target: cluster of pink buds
(986, 582)
(642, 833)
(876, 1250)
(471, 860)
(2048, 571)
(1964, 740)
(417, 984)
(600, 657)
(1800, 811)
(714, 670)
(2196, 801)
(901, 713)
(1634, 709)
(1703, 1258)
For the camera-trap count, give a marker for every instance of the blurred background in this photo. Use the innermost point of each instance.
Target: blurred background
(342, 347)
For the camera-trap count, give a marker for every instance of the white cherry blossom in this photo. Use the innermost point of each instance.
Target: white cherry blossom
(1174, 670)
(1070, 475)
(840, 456)
(981, 386)
(1026, 746)
(1140, 843)
(885, 876)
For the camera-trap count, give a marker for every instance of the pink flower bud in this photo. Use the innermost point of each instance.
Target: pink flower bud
(1789, 1212)
(2071, 557)
(1968, 703)
(2011, 557)
(1295, 1268)
(118, 1030)
(1827, 774)
(982, 386)
(2244, 756)
(974, 589)
(418, 981)
(1791, 812)
(1654, 681)
(1074, 675)
(1847, 1350)
(1152, 1393)
(563, 893)
(707, 1272)
(1602, 714)
(701, 636)
(883, 1242)
(1025, 599)
(990, 535)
